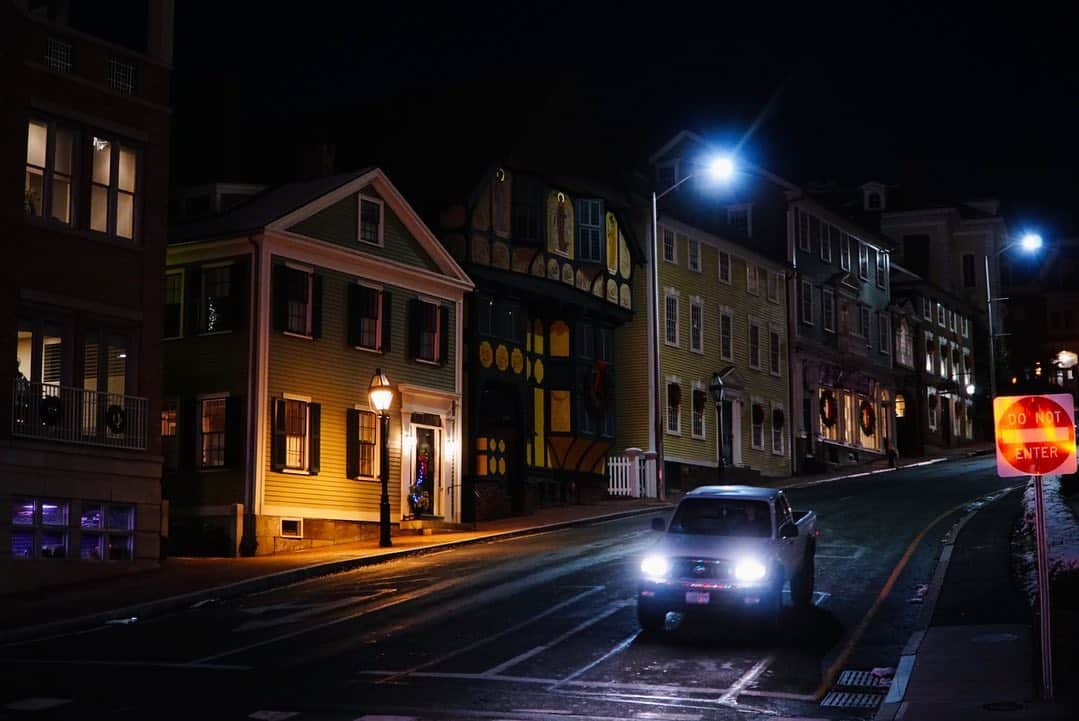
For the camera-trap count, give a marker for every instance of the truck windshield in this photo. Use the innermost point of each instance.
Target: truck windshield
(722, 517)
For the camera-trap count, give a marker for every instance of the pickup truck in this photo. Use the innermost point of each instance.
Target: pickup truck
(728, 549)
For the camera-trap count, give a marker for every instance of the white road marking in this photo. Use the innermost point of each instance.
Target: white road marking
(609, 611)
(622, 645)
(832, 550)
(37, 703)
(386, 717)
(309, 609)
(476, 644)
(731, 696)
(139, 664)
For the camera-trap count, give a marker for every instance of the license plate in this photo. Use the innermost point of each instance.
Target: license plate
(698, 597)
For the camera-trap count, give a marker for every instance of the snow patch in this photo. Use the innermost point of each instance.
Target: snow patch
(1062, 536)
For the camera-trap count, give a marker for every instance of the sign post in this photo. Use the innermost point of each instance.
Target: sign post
(1036, 436)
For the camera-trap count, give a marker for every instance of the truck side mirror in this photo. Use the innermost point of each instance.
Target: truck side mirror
(788, 530)
(658, 524)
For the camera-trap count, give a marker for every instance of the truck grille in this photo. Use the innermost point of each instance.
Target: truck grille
(701, 569)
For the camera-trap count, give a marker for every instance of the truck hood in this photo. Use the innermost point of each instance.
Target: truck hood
(700, 546)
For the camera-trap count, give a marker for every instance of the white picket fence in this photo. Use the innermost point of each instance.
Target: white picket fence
(632, 476)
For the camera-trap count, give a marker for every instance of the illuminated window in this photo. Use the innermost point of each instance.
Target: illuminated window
(900, 405)
(212, 432)
(168, 433)
(49, 167)
(114, 187)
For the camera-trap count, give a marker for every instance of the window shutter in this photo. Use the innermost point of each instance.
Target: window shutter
(582, 236)
(443, 334)
(387, 315)
(234, 432)
(414, 309)
(280, 300)
(193, 286)
(187, 422)
(238, 295)
(352, 443)
(314, 411)
(277, 451)
(316, 306)
(355, 309)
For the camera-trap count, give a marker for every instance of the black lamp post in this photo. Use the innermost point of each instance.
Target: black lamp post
(716, 388)
(381, 394)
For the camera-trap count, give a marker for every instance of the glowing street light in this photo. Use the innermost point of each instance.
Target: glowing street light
(1029, 242)
(722, 168)
(381, 394)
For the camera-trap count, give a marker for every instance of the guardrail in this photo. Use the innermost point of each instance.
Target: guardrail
(77, 415)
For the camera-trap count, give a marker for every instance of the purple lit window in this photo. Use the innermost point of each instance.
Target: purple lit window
(121, 518)
(119, 547)
(53, 514)
(90, 547)
(23, 513)
(53, 544)
(22, 544)
(91, 517)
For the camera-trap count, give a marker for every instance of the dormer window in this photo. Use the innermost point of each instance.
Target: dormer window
(873, 196)
(738, 217)
(872, 201)
(370, 220)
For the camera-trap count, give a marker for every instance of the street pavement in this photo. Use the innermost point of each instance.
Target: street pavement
(542, 626)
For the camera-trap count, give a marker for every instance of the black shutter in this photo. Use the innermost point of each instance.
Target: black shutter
(234, 432)
(355, 310)
(277, 450)
(443, 334)
(314, 420)
(238, 296)
(193, 288)
(415, 308)
(352, 443)
(280, 298)
(387, 324)
(187, 422)
(316, 306)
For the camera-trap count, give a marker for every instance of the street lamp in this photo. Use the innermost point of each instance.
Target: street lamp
(381, 394)
(716, 387)
(721, 168)
(1029, 242)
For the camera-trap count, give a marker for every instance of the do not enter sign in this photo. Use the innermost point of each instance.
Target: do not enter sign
(1035, 434)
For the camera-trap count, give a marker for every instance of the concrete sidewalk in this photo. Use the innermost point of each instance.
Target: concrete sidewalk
(180, 582)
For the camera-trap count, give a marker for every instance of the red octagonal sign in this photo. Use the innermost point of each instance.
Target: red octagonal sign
(1035, 434)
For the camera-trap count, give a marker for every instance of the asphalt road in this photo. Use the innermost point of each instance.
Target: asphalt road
(536, 627)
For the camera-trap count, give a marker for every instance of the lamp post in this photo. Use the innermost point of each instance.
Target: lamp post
(381, 394)
(716, 387)
(721, 168)
(1030, 242)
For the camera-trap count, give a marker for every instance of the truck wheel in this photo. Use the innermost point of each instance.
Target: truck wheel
(802, 584)
(650, 618)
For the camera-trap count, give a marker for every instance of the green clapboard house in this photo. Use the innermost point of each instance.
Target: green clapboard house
(278, 312)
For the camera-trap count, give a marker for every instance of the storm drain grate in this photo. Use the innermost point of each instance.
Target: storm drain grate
(863, 680)
(848, 699)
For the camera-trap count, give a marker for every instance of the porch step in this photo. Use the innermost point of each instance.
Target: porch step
(433, 524)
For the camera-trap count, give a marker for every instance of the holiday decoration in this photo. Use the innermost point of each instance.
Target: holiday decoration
(828, 409)
(867, 418)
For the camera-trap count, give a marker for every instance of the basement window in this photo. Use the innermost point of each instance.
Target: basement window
(291, 528)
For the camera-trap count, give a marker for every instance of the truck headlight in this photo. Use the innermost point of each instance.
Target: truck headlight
(749, 569)
(655, 566)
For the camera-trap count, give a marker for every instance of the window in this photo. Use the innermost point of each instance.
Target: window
(807, 302)
(429, 324)
(966, 327)
(674, 410)
(296, 293)
(699, 403)
(295, 434)
(590, 235)
(863, 324)
(883, 333)
(778, 427)
(968, 270)
(107, 532)
(369, 311)
(844, 251)
(803, 232)
(739, 219)
(828, 309)
(114, 187)
(931, 397)
(215, 300)
(754, 344)
(696, 326)
(940, 315)
(525, 222)
(586, 340)
(49, 168)
(370, 220)
(872, 201)
(930, 348)
(863, 261)
(670, 251)
(212, 432)
(752, 279)
(58, 55)
(694, 254)
(756, 420)
(362, 449)
(774, 352)
(882, 269)
(827, 239)
(671, 319)
(725, 267)
(38, 528)
(773, 285)
(900, 405)
(726, 334)
(927, 311)
(121, 76)
(951, 320)
(814, 233)
(168, 433)
(174, 304)
(905, 350)
(942, 353)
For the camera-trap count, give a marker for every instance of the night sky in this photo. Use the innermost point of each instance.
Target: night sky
(959, 105)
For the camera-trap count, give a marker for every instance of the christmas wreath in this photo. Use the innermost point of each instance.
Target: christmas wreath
(828, 410)
(600, 389)
(867, 418)
(758, 414)
(50, 411)
(777, 418)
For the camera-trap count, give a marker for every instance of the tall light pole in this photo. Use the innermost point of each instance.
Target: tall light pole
(721, 168)
(1030, 242)
(716, 387)
(381, 394)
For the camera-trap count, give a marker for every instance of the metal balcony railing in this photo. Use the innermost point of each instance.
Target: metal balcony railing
(77, 415)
